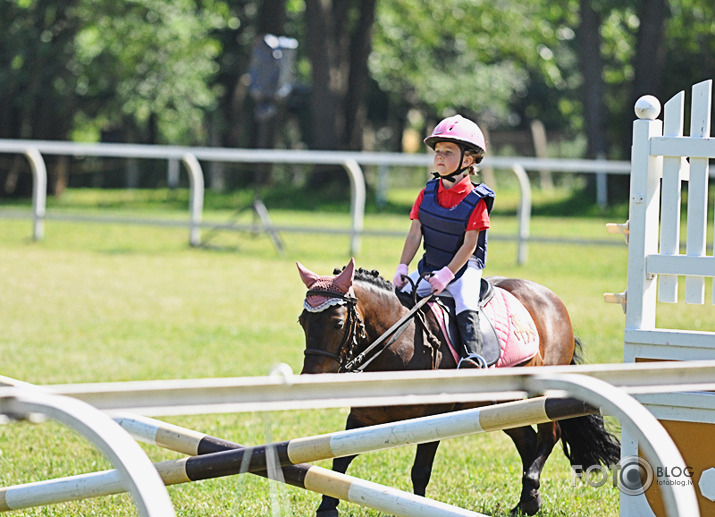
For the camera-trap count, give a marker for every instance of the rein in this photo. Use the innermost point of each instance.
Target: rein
(395, 331)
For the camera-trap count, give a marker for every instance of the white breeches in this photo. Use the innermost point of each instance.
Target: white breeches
(464, 290)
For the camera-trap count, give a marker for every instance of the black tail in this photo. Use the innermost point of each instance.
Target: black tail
(585, 439)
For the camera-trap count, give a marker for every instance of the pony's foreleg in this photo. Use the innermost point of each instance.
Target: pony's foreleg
(534, 449)
(329, 505)
(422, 467)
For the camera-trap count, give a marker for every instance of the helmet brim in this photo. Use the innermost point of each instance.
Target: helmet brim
(432, 141)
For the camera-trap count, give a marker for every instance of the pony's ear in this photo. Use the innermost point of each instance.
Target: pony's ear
(345, 279)
(306, 275)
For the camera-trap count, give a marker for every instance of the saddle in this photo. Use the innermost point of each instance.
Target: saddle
(509, 333)
(491, 349)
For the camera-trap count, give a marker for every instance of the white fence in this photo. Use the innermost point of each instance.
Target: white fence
(135, 472)
(282, 390)
(663, 162)
(350, 161)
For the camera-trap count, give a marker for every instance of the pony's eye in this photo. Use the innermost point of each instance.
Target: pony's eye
(338, 324)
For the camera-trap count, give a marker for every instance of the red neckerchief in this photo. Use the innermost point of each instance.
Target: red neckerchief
(451, 197)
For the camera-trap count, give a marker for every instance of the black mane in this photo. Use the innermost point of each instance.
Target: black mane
(371, 277)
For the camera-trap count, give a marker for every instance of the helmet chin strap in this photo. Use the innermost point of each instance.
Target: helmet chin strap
(449, 177)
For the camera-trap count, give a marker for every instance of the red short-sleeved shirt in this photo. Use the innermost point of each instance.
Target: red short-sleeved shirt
(449, 198)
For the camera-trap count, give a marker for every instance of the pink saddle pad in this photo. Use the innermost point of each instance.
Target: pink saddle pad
(515, 328)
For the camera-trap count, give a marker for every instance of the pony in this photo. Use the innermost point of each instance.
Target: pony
(345, 313)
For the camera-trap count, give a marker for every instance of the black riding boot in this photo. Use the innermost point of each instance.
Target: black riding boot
(468, 324)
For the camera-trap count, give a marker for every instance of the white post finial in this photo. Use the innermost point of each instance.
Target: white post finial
(647, 107)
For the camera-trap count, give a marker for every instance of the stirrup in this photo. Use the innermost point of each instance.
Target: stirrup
(472, 361)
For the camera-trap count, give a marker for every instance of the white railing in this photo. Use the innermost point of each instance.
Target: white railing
(350, 161)
(135, 472)
(282, 390)
(603, 386)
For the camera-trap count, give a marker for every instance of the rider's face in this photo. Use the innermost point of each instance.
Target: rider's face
(447, 156)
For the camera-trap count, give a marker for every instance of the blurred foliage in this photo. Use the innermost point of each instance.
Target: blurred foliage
(174, 72)
(84, 67)
(691, 44)
(475, 56)
(150, 61)
(37, 83)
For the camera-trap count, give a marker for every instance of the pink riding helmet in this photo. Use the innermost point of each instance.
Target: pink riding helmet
(459, 130)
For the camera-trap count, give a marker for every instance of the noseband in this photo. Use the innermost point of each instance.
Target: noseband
(347, 347)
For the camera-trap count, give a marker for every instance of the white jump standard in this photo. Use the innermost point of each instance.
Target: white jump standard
(663, 160)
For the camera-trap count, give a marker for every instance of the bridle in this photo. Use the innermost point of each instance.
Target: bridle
(349, 343)
(345, 356)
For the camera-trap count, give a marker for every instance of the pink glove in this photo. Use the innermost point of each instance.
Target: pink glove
(440, 279)
(402, 270)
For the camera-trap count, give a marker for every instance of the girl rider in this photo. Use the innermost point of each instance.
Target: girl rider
(451, 214)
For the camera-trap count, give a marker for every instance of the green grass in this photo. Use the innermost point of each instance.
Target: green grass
(114, 303)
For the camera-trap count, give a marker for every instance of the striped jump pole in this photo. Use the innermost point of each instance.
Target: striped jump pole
(323, 481)
(344, 443)
(309, 477)
(385, 436)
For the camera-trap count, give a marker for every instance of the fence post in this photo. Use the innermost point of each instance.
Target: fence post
(644, 215)
(39, 192)
(172, 173)
(523, 213)
(383, 184)
(196, 199)
(357, 203)
(601, 185)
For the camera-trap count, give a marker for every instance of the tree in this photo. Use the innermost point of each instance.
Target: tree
(145, 67)
(106, 62)
(589, 42)
(37, 85)
(339, 43)
(648, 62)
(37, 80)
(82, 68)
(175, 72)
(649, 58)
(503, 63)
(690, 44)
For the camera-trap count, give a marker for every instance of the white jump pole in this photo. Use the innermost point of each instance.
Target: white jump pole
(343, 443)
(309, 477)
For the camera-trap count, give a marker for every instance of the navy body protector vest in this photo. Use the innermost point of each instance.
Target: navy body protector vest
(443, 229)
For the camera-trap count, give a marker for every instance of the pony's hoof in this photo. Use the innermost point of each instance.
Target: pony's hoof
(528, 507)
(327, 513)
